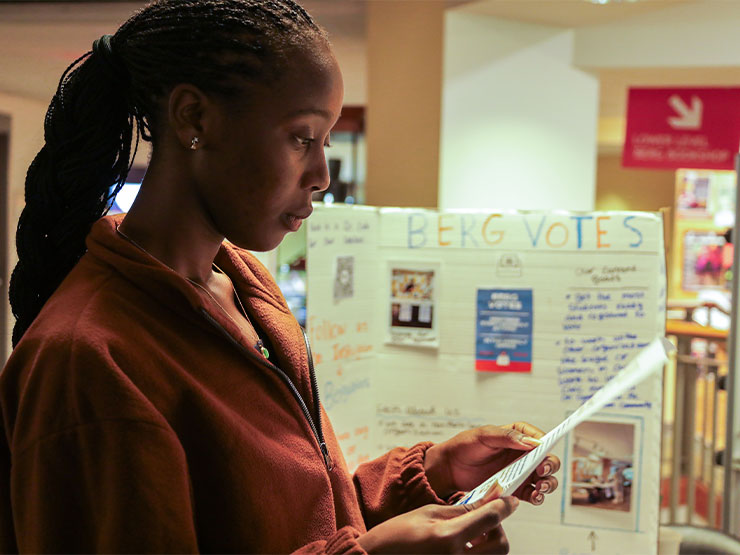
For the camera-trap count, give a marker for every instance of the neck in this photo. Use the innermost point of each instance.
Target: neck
(166, 223)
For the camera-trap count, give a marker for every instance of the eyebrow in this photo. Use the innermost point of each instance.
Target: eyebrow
(309, 112)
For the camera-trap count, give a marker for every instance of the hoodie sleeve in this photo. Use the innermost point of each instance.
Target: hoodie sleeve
(394, 484)
(93, 467)
(344, 541)
(108, 486)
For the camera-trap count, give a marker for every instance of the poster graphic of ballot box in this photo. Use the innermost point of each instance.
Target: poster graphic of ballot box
(503, 341)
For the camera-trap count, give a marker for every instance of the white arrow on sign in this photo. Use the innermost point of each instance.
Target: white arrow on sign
(688, 117)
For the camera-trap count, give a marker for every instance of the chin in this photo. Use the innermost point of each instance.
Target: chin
(263, 244)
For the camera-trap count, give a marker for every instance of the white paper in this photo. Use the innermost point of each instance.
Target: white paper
(404, 314)
(649, 360)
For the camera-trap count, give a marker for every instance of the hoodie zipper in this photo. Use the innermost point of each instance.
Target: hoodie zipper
(316, 426)
(315, 390)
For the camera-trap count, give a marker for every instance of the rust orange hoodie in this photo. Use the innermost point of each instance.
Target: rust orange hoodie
(136, 418)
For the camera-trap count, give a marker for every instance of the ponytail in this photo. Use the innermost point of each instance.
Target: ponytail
(88, 133)
(110, 97)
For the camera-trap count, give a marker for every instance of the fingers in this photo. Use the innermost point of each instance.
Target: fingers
(508, 437)
(494, 541)
(494, 492)
(550, 465)
(530, 494)
(485, 517)
(528, 429)
(534, 492)
(547, 485)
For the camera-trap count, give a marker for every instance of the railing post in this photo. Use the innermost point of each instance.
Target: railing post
(684, 347)
(712, 516)
(729, 504)
(689, 438)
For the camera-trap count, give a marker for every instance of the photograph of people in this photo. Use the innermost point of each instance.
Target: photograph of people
(602, 465)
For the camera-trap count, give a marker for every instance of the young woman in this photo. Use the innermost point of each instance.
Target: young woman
(160, 396)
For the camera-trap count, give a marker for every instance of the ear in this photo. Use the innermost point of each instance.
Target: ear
(189, 110)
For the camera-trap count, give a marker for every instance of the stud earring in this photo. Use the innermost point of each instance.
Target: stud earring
(194, 143)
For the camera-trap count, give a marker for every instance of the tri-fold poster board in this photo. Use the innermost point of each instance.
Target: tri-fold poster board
(426, 323)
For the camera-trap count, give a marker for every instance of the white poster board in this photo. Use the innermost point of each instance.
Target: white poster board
(548, 306)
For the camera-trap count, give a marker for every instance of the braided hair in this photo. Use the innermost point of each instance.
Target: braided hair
(109, 98)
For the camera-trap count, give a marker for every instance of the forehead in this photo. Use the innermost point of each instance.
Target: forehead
(310, 82)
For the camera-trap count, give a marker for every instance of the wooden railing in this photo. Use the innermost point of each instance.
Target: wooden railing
(694, 417)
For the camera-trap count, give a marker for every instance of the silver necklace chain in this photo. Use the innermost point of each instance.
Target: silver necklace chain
(260, 346)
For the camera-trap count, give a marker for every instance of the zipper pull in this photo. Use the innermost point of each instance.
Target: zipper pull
(327, 458)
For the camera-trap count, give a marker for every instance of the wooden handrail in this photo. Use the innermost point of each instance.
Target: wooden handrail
(682, 328)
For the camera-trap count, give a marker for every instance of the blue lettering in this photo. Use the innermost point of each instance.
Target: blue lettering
(536, 238)
(416, 231)
(634, 230)
(579, 219)
(465, 231)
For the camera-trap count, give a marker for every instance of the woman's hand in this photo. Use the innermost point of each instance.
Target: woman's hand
(469, 458)
(473, 528)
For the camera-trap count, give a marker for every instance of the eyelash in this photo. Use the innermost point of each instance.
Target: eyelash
(308, 141)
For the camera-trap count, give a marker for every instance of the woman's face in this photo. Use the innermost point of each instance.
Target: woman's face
(257, 174)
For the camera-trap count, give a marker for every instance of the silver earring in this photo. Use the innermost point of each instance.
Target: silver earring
(194, 143)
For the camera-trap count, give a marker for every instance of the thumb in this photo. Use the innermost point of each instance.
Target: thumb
(494, 492)
(507, 438)
(485, 516)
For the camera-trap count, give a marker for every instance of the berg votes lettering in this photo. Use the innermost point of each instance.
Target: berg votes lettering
(539, 231)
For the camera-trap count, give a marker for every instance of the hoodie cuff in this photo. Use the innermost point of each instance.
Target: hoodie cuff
(345, 541)
(413, 478)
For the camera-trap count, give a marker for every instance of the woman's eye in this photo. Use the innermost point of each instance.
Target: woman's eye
(304, 141)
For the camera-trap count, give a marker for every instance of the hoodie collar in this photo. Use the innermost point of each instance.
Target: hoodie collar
(254, 285)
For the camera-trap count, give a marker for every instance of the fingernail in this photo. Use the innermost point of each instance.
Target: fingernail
(514, 502)
(546, 470)
(538, 499)
(531, 440)
(544, 487)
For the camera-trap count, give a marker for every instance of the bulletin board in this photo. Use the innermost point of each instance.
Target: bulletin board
(426, 323)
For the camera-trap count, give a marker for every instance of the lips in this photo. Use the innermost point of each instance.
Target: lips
(293, 220)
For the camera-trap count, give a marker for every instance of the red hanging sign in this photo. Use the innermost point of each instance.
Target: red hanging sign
(682, 128)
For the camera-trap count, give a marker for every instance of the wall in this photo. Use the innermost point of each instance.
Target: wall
(26, 138)
(351, 55)
(518, 120)
(688, 35)
(619, 188)
(404, 76)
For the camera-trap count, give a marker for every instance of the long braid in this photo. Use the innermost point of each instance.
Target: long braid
(110, 96)
(88, 136)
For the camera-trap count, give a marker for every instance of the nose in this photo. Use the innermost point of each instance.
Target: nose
(317, 174)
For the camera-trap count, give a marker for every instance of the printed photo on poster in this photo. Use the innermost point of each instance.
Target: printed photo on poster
(412, 311)
(707, 259)
(503, 341)
(603, 466)
(693, 193)
(705, 194)
(344, 278)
